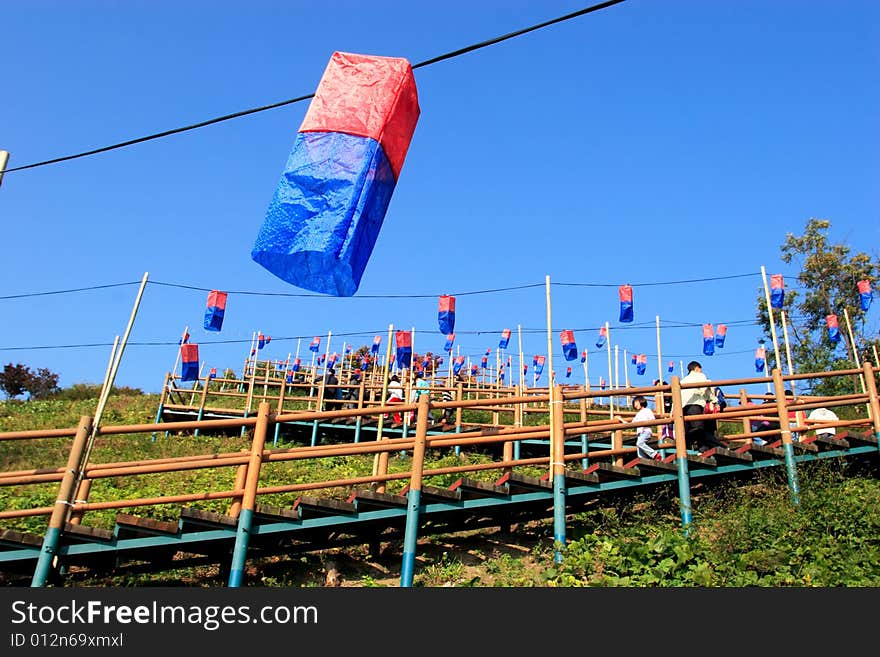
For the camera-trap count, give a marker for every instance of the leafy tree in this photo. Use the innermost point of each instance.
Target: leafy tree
(827, 282)
(42, 384)
(15, 379)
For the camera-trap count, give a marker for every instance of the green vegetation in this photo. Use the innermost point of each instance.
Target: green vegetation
(826, 285)
(746, 534)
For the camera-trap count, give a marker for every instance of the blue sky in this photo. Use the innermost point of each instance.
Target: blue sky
(646, 143)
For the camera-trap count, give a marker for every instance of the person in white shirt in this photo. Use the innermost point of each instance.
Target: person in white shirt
(395, 395)
(643, 434)
(697, 433)
(823, 415)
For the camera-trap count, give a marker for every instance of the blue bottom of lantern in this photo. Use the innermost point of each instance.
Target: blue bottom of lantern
(214, 319)
(189, 371)
(325, 216)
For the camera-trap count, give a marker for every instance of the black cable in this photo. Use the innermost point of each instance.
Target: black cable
(371, 296)
(76, 289)
(691, 280)
(359, 296)
(291, 101)
(490, 42)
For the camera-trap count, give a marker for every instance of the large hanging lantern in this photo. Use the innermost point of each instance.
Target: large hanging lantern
(329, 206)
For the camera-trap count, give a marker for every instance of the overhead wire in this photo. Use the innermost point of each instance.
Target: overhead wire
(377, 296)
(291, 101)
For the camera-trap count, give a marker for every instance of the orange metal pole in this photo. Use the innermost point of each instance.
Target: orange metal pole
(47, 559)
(248, 499)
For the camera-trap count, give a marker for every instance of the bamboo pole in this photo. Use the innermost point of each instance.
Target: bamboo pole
(855, 350)
(522, 362)
(380, 460)
(4, 158)
(616, 383)
(247, 359)
(770, 314)
(552, 421)
(610, 374)
(177, 357)
(873, 403)
(109, 378)
(659, 353)
(321, 392)
(787, 349)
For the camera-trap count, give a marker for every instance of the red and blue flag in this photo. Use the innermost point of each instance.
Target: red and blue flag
(376, 342)
(708, 339)
(720, 335)
(569, 347)
(403, 340)
(446, 314)
(450, 341)
(457, 364)
(865, 295)
(760, 359)
(505, 339)
(315, 344)
(777, 291)
(539, 364)
(641, 363)
(189, 358)
(625, 292)
(568, 372)
(833, 328)
(603, 337)
(215, 310)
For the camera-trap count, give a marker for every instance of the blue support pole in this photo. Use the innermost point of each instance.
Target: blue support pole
(557, 461)
(411, 534)
(158, 419)
(684, 481)
(248, 500)
(407, 567)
